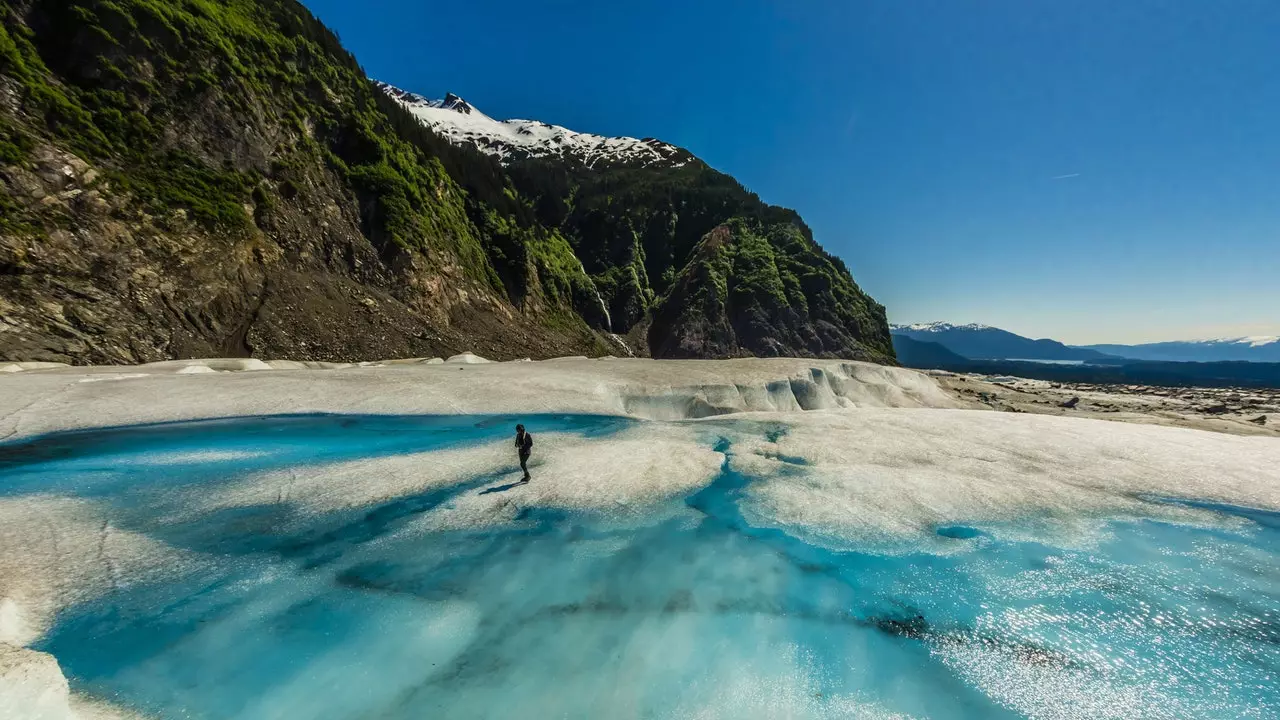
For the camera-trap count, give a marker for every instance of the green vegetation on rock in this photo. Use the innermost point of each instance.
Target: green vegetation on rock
(766, 290)
(109, 77)
(638, 230)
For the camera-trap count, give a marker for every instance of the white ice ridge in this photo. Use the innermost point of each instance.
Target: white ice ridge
(356, 483)
(39, 401)
(889, 476)
(32, 687)
(55, 552)
(620, 477)
(623, 475)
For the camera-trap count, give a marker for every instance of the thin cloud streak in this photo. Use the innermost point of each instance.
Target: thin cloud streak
(1064, 177)
(852, 123)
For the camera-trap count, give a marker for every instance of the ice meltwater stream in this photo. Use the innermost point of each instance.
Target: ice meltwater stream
(378, 594)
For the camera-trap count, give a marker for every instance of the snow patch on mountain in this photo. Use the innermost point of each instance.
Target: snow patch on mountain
(462, 123)
(1251, 340)
(940, 327)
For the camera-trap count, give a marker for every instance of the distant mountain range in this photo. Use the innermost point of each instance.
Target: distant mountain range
(1257, 348)
(983, 342)
(992, 351)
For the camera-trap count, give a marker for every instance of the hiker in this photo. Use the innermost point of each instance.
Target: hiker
(524, 445)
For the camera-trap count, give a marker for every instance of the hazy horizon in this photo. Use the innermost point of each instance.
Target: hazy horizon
(1092, 171)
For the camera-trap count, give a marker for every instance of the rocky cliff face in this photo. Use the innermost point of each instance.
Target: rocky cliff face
(184, 178)
(188, 178)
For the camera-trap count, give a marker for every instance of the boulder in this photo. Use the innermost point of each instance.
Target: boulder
(1070, 404)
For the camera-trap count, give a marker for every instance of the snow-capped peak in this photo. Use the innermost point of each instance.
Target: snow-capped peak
(462, 123)
(939, 327)
(453, 102)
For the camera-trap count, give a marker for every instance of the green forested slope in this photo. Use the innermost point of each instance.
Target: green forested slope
(643, 234)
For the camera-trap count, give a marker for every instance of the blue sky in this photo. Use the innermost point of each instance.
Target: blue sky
(1092, 171)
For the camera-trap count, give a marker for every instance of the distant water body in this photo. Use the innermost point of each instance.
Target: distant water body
(692, 612)
(1044, 362)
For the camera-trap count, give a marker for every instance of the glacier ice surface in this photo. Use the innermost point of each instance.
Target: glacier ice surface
(852, 548)
(349, 566)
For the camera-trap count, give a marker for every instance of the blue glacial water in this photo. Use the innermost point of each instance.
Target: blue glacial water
(694, 614)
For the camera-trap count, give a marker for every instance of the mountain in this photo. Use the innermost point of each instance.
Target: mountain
(986, 342)
(188, 178)
(684, 259)
(1257, 348)
(926, 355)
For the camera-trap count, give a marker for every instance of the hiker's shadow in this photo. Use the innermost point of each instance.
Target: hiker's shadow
(503, 488)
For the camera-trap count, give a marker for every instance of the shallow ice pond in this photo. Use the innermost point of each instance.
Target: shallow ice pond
(687, 609)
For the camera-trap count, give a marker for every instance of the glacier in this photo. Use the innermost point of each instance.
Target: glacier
(748, 538)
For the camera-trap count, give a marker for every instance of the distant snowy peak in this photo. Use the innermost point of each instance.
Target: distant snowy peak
(1251, 348)
(940, 327)
(462, 124)
(1251, 340)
